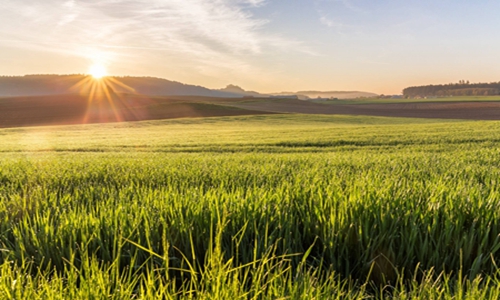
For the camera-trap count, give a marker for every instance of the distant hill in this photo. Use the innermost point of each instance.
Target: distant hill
(40, 85)
(32, 85)
(330, 94)
(234, 89)
(302, 95)
(163, 87)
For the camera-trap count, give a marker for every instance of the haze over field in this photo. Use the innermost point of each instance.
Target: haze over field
(261, 45)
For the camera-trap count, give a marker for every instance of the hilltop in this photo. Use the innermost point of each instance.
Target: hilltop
(329, 94)
(43, 85)
(37, 85)
(302, 95)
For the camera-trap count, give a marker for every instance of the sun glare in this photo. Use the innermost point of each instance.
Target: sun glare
(97, 71)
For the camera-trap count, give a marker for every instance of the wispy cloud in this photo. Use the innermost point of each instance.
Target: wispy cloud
(218, 33)
(332, 14)
(331, 23)
(350, 5)
(328, 22)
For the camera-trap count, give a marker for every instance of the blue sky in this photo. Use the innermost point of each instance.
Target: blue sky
(269, 46)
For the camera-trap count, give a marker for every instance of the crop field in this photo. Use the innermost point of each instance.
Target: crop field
(75, 109)
(471, 109)
(252, 207)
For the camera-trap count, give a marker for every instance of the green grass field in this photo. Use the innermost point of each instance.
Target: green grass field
(254, 207)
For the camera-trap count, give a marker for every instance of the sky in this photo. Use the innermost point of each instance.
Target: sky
(379, 46)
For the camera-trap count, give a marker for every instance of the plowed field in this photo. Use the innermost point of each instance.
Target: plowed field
(442, 110)
(79, 109)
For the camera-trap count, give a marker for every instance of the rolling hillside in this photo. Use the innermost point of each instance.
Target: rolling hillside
(35, 85)
(80, 109)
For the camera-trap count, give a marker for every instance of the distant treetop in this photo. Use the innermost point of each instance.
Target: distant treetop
(462, 88)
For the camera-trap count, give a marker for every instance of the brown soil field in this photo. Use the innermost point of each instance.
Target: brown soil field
(442, 110)
(79, 109)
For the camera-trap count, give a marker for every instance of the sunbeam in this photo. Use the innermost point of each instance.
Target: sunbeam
(104, 104)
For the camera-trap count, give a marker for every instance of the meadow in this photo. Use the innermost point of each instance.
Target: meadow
(252, 207)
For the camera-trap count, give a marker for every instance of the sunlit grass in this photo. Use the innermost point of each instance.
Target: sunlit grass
(229, 134)
(299, 207)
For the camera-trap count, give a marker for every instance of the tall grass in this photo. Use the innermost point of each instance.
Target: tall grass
(409, 211)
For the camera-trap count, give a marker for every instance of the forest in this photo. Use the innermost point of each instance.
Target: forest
(462, 88)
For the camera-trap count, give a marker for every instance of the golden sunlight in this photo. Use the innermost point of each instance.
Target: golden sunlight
(98, 71)
(105, 100)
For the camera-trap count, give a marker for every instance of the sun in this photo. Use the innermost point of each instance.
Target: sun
(98, 71)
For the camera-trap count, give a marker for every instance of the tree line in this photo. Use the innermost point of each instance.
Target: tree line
(462, 88)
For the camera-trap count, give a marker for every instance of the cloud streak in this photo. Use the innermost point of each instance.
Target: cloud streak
(212, 33)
